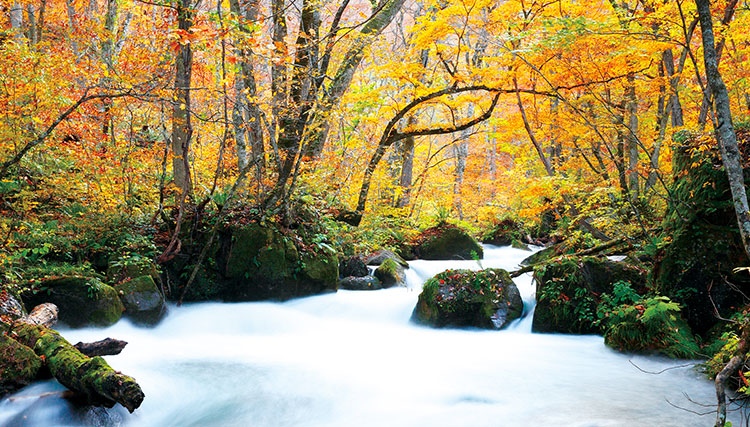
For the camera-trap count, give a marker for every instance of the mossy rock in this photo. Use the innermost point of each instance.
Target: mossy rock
(701, 240)
(366, 283)
(19, 365)
(262, 263)
(380, 256)
(505, 233)
(447, 242)
(569, 290)
(83, 301)
(127, 267)
(207, 285)
(464, 298)
(653, 325)
(353, 266)
(142, 299)
(390, 274)
(322, 268)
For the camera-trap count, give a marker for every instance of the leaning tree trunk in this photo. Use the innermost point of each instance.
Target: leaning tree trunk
(730, 153)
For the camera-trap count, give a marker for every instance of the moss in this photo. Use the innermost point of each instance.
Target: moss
(246, 244)
(569, 290)
(447, 242)
(19, 365)
(130, 267)
(484, 299)
(82, 301)
(142, 299)
(390, 273)
(92, 377)
(323, 268)
(700, 241)
(651, 325)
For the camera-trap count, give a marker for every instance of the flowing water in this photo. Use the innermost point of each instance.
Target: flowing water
(353, 359)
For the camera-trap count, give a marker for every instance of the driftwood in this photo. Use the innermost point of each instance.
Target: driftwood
(92, 378)
(42, 315)
(105, 347)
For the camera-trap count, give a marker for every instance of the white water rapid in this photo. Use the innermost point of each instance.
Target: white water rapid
(353, 359)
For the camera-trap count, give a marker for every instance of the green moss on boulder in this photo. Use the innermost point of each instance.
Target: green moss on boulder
(142, 299)
(700, 244)
(569, 289)
(83, 301)
(19, 365)
(651, 325)
(262, 263)
(391, 274)
(464, 298)
(446, 241)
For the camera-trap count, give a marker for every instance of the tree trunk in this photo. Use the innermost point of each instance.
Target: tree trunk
(182, 131)
(246, 115)
(730, 153)
(631, 106)
(708, 94)
(91, 377)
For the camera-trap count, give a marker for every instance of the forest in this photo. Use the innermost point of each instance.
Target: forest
(571, 168)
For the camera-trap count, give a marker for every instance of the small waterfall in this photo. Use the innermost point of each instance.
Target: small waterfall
(353, 358)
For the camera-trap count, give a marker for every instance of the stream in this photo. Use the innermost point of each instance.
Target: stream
(353, 359)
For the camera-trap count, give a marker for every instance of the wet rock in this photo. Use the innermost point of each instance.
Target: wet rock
(380, 256)
(142, 299)
(464, 298)
(353, 266)
(366, 283)
(391, 274)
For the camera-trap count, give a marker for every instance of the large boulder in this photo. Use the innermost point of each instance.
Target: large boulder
(257, 263)
(464, 298)
(380, 256)
(446, 241)
(143, 301)
(505, 232)
(651, 325)
(701, 245)
(132, 266)
(391, 274)
(366, 283)
(19, 365)
(569, 289)
(353, 266)
(83, 301)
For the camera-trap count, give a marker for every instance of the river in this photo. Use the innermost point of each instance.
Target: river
(353, 359)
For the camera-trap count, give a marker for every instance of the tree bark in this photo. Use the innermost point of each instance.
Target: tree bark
(105, 347)
(92, 378)
(708, 94)
(182, 130)
(730, 153)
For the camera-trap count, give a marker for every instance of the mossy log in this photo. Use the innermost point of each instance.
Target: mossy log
(92, 378)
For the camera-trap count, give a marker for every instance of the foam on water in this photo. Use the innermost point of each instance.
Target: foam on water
(353, 358)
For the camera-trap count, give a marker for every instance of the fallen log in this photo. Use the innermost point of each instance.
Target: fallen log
(105, 347)
(42, 315)
(92, 378)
